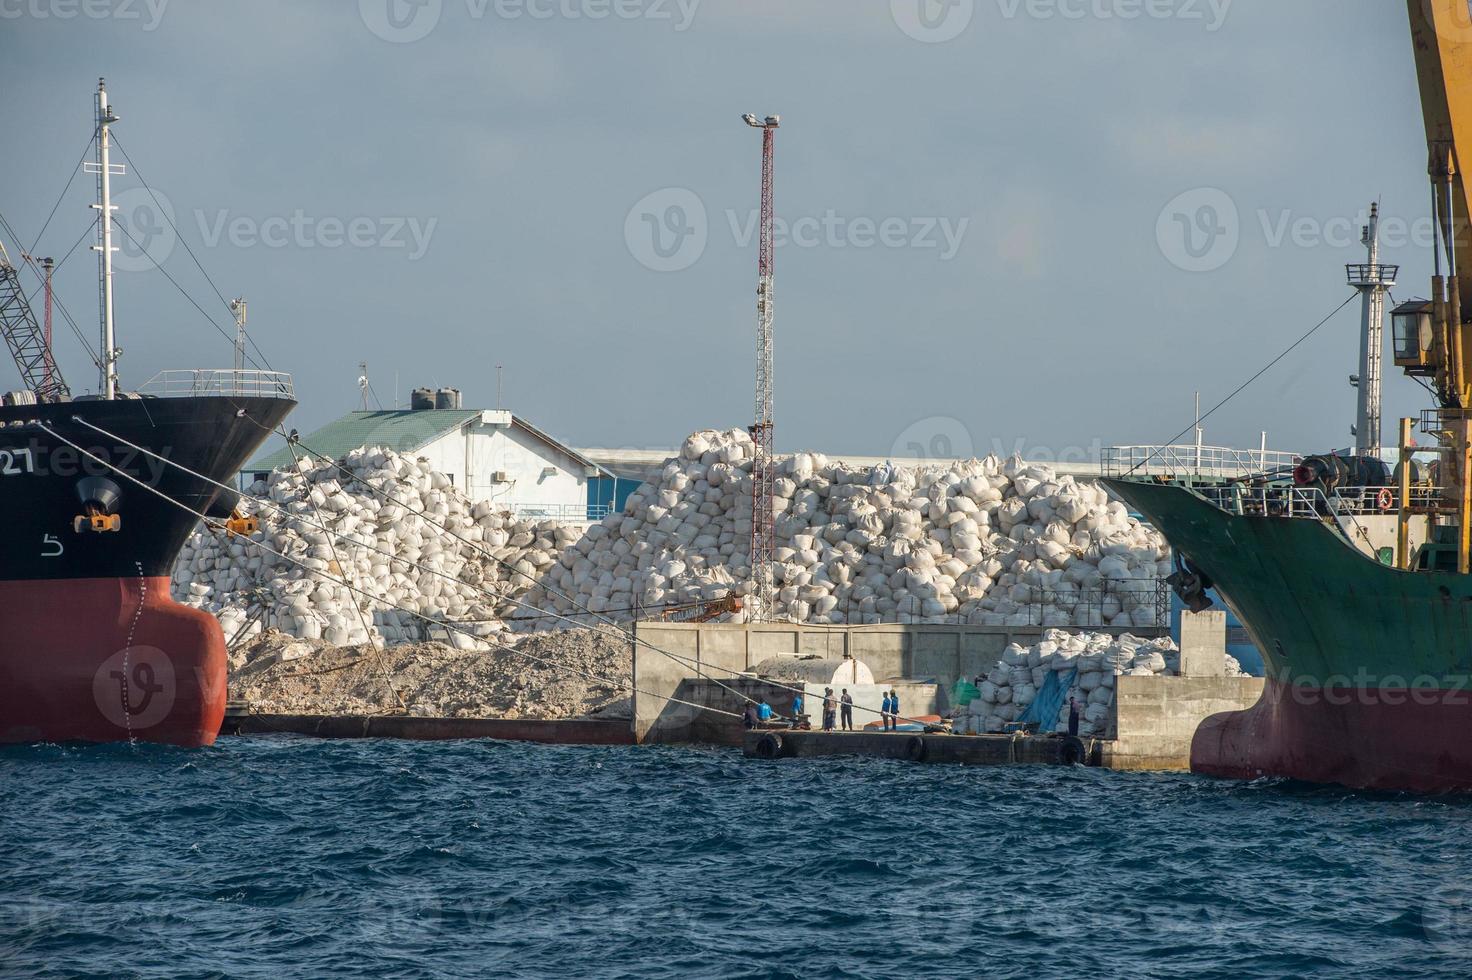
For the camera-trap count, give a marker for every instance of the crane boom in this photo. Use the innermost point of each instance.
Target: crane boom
(24, 337)
(1441, 33)
(1434, 338)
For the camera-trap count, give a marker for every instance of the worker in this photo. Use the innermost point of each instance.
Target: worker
(846, 708)
(764, 711)
(884, 714)
(830, 714)
(750, 718)
(1073, 717)
(894, 710)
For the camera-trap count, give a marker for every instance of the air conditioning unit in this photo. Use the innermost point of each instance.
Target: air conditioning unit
(500, 476)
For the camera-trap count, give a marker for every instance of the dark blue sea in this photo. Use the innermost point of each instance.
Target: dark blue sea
(283, 857)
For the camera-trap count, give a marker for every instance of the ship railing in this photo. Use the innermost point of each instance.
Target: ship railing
(1219, 462)
(219, 383)
(1314, 502)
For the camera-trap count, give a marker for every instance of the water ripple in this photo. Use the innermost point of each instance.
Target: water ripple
(281, 856)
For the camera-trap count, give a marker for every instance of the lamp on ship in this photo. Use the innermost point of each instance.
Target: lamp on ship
(1411, 330)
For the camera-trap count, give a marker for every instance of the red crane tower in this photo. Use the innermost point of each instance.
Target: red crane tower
(763, 470)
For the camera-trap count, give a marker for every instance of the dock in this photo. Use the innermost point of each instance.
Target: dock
(974, 750)
(570, 731)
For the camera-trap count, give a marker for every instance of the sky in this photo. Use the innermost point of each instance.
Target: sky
(1003, 225)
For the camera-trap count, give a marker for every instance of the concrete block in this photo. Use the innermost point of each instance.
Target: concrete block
(1204, 644)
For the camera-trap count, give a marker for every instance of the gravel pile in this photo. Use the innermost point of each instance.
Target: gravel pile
(280, 674)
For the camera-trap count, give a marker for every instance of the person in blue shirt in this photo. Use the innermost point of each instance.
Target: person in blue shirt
(764, 711)
(796, 710)
(894, 710)
(884, 711)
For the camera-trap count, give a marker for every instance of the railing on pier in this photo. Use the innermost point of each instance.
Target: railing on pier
(571, 513)
(218, 383)
(1193, 460)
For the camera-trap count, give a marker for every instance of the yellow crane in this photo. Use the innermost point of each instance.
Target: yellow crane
(1433, 339)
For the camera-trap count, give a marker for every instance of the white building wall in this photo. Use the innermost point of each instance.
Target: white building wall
(473, 453)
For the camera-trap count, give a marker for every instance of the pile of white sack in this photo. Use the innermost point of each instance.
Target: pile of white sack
(1098, 658)
(983, 542)
(446, 576)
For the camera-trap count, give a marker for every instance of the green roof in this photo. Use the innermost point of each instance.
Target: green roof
(404, 431)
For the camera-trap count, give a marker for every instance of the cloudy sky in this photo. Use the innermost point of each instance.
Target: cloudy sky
(1036, 224)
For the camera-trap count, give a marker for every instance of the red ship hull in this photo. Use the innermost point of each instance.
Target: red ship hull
(1370, 738)
(107, 660)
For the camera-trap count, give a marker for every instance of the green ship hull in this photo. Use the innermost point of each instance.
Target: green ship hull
(1368, 667)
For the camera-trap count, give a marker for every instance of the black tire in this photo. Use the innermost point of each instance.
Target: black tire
(917, 750)
(769, 746)
(1073, 752)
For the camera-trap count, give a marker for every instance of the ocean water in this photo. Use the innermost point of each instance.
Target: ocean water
(284, 857)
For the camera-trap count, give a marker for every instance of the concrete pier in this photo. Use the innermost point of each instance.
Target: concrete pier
(975, 750)
(574, 731)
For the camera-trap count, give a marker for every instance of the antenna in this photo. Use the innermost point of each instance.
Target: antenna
(363, 385)
(498, 387)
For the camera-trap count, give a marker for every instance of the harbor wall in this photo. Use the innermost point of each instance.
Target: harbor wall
(685, 724)
(1158, 716)
(937, 654)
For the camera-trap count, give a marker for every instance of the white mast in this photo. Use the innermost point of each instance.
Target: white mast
(108, 381)
(237, 307)
(1372, 280)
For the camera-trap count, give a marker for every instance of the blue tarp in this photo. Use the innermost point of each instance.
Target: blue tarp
(1049, 701)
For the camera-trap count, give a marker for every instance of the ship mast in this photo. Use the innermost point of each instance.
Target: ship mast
(1373, 280)
(103, 168)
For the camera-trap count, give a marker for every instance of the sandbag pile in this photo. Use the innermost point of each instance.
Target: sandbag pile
(1099, 660)
(984, 542)
(232, 579)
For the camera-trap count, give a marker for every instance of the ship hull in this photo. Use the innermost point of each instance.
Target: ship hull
(92, 647)
(108, 659)
(1368, 666)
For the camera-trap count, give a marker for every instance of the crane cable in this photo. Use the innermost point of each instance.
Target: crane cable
(428, 619)
(1240, 388)
(30, 263)
(618, 632)
(362, 616)
(625, 633)
(197, 264)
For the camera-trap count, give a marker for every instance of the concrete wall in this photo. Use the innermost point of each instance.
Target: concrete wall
(1158, 716)
(940, 654)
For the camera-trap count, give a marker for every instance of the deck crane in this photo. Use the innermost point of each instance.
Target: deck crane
(763, 470)
(29, 344)
(1433, 339)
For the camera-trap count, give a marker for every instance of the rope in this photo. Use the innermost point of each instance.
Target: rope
(428, 619)
(609, 622)
(362, 615)
(183, 292)
(185, 242)
(1291, 348)
(618, 633)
